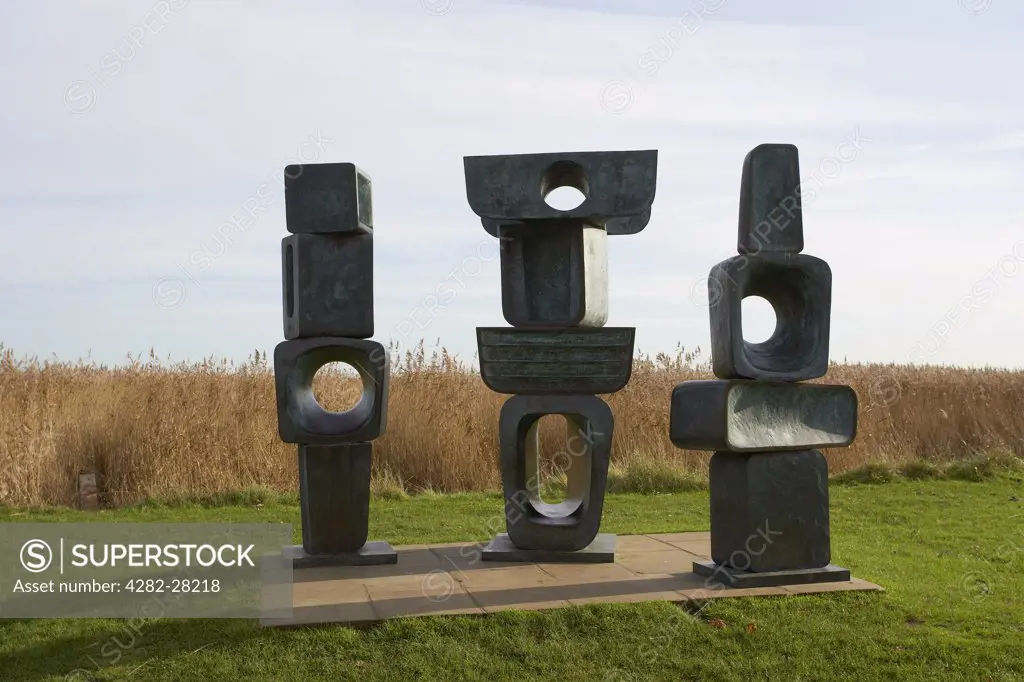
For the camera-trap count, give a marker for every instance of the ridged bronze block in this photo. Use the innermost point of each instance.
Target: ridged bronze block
(569, 362)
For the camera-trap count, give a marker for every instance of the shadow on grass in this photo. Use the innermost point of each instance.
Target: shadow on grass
(88, 649)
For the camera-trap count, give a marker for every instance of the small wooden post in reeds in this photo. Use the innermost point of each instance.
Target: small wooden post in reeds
(88, 494)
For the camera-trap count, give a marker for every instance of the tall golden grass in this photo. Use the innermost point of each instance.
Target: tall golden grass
(157, 429)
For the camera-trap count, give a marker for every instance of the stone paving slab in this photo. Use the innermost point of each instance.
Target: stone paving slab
(451, 579)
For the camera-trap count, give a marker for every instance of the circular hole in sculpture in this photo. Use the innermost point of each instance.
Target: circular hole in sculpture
(759, 319)
(564, 186)
(337, 387)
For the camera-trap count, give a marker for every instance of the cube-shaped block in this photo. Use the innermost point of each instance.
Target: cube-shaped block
(554, 277)
(629, 225)
(334, 495)
(799, 288)
(573, 524)
(328, 197)
(761, 416)
(769, 512)
(771, 213)
(513, 187)
(567, 361)
(327, 285)
(300, 419)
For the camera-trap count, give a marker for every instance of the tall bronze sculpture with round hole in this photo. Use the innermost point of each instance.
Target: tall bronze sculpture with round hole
(557, 356)
(769, 482)
(327, 282)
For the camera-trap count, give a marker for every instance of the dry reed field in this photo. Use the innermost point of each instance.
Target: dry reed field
(156, 429)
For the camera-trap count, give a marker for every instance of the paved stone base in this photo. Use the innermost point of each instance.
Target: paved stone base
(734, 578)
(370, 554)
(600, 551)
(453, 579)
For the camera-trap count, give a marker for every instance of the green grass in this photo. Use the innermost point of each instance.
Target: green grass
(950, 554)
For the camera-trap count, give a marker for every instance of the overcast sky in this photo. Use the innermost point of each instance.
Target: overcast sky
(132, 132)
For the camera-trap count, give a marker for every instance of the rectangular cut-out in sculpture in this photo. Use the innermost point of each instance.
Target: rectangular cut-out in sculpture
(554, 278)
(570, 361)
(328, 285)
(328, 197)
(754, 416)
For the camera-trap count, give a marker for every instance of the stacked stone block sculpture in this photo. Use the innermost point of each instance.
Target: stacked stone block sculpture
(769, 482)
(327, 281)
(557, 356)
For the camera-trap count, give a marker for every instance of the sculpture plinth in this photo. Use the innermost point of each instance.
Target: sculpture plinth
(558, 356)
(327, 281)
(769, 483)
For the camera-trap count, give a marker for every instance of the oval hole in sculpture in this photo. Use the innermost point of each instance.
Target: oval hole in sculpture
(564, 186)
(564, 198)
(759, 319)
(337, 387)
(552, 459)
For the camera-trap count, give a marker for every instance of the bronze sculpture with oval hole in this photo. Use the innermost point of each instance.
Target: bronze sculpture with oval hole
(557, 356)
